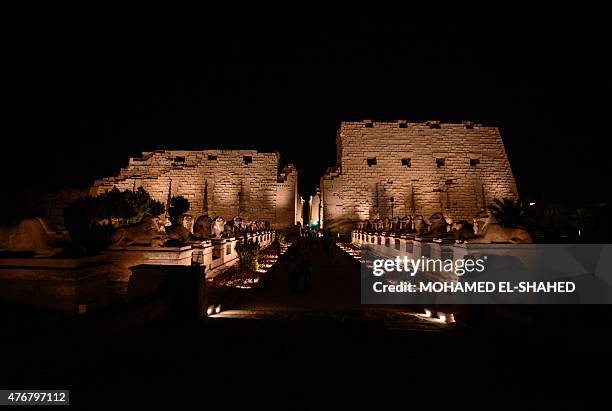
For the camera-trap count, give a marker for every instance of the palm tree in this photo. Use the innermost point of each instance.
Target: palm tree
(511, 213)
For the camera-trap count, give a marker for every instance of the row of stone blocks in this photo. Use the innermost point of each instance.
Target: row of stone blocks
(388, 245)
(71, 285)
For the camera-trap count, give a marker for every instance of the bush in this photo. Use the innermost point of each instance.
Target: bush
(85, 228)
(91, 221)
(179, 205)
(248, 254)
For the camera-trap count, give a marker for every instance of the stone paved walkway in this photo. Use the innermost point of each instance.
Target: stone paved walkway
(333, 294)
(334, 285)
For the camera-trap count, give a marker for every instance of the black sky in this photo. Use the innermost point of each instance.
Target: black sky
(84, 97)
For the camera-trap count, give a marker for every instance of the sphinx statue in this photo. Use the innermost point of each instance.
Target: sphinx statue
(261, 225)
(234, 226)
(420, 227)
(228, 230)
(386, 225)
(377, 224)
(462, 230)
(488, 230)
(202, 227)
(181, 231)
(245, 227)
(241, 225)
(438, 226)
(146, 232)
(32, 235)
(437, 229)
(218, 227)
(395, 224)
(406, 224)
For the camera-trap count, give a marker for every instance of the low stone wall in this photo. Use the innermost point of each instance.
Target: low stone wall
(65, 284)
(54, 284)
(217, 254)
(149, 279)
(122, 259)
(223, 253)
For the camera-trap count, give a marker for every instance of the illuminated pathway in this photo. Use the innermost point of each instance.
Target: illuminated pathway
(334, 285)
(334, 294)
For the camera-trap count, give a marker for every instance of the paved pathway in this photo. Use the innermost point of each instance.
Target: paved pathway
(333, 294)
(334, 285)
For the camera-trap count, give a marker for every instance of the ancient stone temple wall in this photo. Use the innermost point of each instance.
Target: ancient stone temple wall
(299, 210)
(399, 168)
(224, 183)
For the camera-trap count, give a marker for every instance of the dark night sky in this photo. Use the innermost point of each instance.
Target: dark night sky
(83, 98)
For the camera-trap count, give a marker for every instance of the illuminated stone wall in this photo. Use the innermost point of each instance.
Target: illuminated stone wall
(424, 167)
(224, 183)
(299, 210)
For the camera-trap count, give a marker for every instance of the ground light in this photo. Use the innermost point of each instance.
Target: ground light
(351, 250)
(447, 318)
(438, 316)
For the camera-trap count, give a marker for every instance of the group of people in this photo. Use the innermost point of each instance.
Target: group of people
(328, 243)
(300, 256)
(300, 267)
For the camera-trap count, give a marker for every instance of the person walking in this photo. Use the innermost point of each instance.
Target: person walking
(325, 244)
(331, 244)
(306, 272)
(293, 267)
